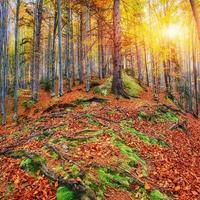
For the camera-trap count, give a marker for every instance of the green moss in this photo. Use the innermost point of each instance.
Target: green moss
(162, 114)
(75, 171)
(133, 159)
(146, 139)
(157, 195)
(131, 85)
(28, 104)
(112, 178)
(105, 88)
(64, 193)
(30, 166)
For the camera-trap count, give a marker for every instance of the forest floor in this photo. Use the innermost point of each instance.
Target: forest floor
(112, 149)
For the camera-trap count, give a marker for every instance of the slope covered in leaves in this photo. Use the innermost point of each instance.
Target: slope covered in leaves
(84, 147)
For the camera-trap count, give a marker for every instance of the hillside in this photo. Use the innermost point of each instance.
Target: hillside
(86, 146)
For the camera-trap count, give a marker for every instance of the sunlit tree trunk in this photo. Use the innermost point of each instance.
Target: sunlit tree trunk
(16, 64)
(195, 75)
(139, 62)
(146, 65)
(196, 16)
(99, 24)
(49, 51)
(117, 83)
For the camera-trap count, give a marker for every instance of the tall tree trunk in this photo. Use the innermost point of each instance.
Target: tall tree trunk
(196, 16)
(146, 65)
(16, 83)
(88, 57)
(80, 49)
(117, 83)
(139, 62)
(49, 52)
(53, 52)
(195, 75)
(4, 58)
(36, 49)
(60, 82)
(99, 24)
(71, 49)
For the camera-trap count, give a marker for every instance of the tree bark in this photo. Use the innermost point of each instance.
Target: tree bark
(60, 82)
(117, 83)
(36, 49)
(196, 16)
(16, 82)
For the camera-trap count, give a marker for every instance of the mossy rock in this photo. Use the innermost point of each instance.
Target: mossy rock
(131, 85)
(64, 193)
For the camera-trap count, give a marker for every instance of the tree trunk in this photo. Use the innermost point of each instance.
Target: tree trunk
(60, 82)
(99, 49)
(71, 49)
(53, 52)
(196, 16)
(80, 49)
(117, 83)
(36, 49)
(4, 58)
(16, 67)
(88, 57)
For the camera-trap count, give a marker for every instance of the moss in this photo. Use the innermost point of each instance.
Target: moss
(112, 178)
(157, 195)
(30, 166)
(28, 104)
(146, 139)
(131, 85)
(133, 159)
(64, 193)
(105, 88)
(75, 171)
(162, 114)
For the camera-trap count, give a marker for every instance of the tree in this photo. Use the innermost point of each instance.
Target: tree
(117, 83)
(36, 48)
(60, 83)
(196, 16)
(16, 83)
(3, 55)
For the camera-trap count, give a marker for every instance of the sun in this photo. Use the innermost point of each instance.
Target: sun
(172, 31)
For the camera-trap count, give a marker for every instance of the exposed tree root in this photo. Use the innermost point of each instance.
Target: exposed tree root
(76, 185)
(64, 105)
(181, 125)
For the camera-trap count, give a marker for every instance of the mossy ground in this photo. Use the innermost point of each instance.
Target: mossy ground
(99, 156)
(131, 85)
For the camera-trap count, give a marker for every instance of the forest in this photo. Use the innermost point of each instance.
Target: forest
(100, 99)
